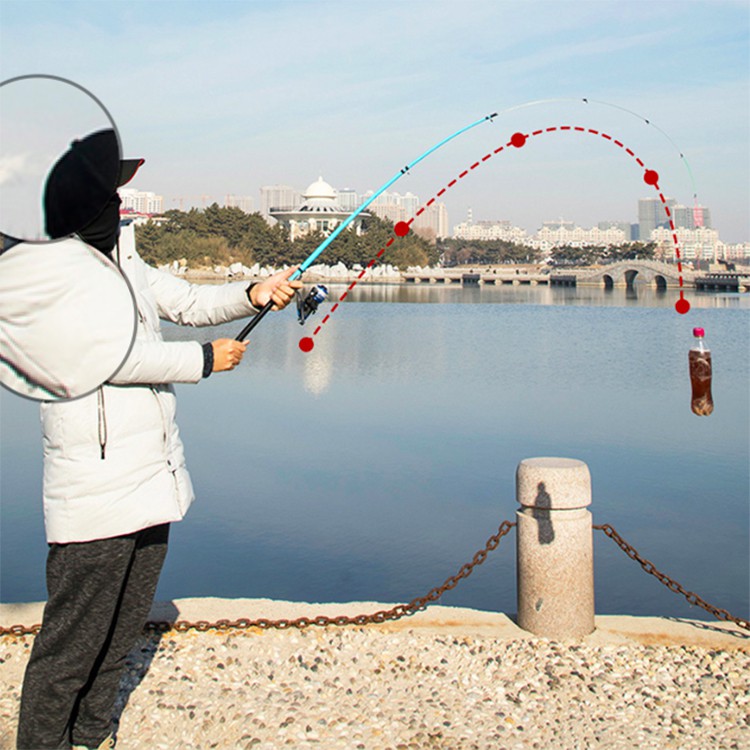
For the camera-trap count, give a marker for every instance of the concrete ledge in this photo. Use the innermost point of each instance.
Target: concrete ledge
(610, 629)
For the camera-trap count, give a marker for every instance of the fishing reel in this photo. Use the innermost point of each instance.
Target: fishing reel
(308, 305)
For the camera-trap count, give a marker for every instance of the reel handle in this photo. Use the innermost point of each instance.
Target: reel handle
(305, 308)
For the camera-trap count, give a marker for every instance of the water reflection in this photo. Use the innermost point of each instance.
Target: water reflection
(318, 367)
(641, 293)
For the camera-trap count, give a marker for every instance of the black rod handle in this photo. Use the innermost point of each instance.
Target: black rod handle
(242, 335)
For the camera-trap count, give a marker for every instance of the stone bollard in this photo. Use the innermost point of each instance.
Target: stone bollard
(554, 548)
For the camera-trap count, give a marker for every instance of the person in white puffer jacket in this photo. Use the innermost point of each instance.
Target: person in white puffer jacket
(114, 479)
(113, 460)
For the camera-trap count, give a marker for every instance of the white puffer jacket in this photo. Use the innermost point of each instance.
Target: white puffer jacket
(113, 460)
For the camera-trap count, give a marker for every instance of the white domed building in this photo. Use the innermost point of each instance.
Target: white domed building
(320, 211)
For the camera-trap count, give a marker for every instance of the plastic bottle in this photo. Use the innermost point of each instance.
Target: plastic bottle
(700, 376)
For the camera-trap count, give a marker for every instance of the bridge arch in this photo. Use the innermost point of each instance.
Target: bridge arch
(609, 282)
(660, 282)
(630, 275)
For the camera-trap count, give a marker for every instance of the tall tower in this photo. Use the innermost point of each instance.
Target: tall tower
(701, 216)
(684, 217)
(651, 215)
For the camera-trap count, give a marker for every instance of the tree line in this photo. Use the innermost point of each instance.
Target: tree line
(220, 235)
(587, 256)
(455, 252)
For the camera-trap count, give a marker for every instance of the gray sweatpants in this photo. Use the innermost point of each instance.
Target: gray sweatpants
(99, 596)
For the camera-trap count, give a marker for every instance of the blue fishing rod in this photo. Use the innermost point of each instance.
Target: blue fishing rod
(311, 303)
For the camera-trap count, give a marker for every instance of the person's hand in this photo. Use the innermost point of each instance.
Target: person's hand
(227, 354)
(277, 288)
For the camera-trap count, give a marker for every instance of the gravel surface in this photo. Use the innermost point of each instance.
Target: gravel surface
(368, 688)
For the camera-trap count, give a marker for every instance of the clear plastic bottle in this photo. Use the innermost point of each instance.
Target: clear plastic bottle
(702, 402)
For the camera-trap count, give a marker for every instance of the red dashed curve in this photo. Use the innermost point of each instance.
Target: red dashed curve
(518, 140)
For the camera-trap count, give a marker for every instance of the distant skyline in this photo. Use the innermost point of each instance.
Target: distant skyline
(354, 198)
(225, 97)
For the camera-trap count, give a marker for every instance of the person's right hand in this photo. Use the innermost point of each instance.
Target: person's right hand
(227, 353)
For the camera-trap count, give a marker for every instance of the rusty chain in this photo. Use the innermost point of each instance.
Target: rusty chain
(396, 613)
(670, 583)
(415, 605)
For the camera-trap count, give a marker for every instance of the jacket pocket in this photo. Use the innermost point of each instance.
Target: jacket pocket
(68, 425)
(183, 489)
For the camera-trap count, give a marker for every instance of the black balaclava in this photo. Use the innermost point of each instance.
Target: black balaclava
(81, 185)
(103, 231)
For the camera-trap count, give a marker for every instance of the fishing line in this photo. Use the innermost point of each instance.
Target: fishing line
(656, 127)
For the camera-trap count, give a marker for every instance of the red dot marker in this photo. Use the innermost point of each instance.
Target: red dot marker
(401, 229)
(682, 306)
(651, 177)
(306, 344)
(518, 140)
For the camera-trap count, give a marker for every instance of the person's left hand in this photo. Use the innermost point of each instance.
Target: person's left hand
(277, 288)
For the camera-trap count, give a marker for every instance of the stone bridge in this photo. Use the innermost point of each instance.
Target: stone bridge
(627, 273)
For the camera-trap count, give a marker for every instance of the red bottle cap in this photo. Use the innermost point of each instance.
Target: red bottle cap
(699, 333)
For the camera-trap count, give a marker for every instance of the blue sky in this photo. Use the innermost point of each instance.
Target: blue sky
(223, 97)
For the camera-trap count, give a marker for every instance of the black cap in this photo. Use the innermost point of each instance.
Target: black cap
(82, 181)
(128, 168)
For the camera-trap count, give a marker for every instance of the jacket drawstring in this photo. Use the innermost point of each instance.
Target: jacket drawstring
(102, 421)
(100, 393)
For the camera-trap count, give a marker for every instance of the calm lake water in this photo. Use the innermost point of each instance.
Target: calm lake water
(373, 467)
